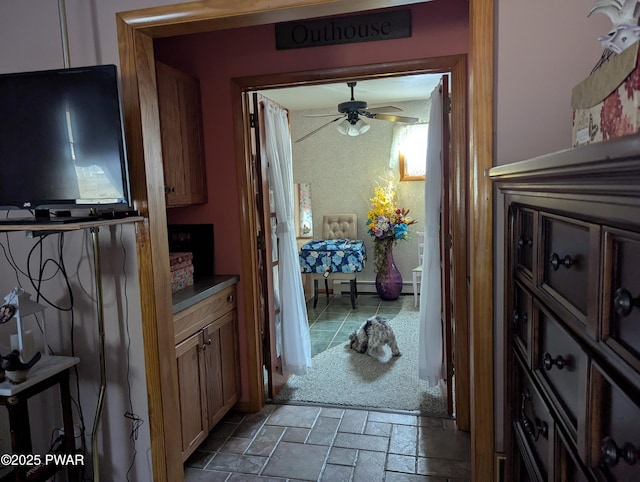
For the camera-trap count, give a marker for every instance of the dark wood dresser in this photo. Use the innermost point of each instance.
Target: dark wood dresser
(571, 365)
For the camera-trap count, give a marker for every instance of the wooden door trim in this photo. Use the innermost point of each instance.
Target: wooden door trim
(136, 31)
(461, 243)
(454, 65)
(481, 111)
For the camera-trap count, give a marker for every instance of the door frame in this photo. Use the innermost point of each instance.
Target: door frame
(136, 31)
(455, 66)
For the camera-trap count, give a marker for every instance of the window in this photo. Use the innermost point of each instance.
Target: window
(409, 151)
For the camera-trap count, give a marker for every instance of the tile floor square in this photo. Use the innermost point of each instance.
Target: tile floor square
(297, 461)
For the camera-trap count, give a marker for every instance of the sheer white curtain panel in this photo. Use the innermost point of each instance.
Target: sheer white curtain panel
(430, 364)
(296, 343)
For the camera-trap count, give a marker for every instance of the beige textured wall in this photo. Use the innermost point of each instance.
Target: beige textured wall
(343, 171)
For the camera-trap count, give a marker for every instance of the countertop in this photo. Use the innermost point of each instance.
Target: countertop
(202, 289)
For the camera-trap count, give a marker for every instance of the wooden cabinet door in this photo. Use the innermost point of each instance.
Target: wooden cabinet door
(182, 137)
(229, 359)
(192, 389)
(221, 362)
(212, 355)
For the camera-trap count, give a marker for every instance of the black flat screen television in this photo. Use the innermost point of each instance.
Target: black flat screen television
(62, 141)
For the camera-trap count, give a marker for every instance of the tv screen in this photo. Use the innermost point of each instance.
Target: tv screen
(61, 140)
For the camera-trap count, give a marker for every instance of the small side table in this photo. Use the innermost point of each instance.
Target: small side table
(333, 259)
(50, 371)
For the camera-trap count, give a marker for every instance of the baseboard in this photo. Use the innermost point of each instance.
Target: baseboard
(367, 287)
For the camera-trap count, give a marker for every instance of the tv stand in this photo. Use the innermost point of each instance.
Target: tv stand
(94, 227)
(47, 221)
(62, 223)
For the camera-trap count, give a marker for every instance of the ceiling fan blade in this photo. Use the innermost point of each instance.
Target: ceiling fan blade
(321, 127)
(395, 118)
(386, 108)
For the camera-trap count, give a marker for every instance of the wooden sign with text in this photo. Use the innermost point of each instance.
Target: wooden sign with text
(343, 30)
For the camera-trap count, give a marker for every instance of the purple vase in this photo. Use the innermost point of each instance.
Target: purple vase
(389, 281)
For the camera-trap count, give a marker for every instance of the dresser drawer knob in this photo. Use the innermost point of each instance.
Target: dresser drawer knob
(548, 361)
(556, 262)
(230, 299)
(525, 242)
(535, 427)
(624, 303)
(517, 317)
(612, 454)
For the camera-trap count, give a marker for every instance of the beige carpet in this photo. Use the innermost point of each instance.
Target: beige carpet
(341, 376)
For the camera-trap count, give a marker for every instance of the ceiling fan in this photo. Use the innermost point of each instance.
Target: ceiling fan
(350, 112)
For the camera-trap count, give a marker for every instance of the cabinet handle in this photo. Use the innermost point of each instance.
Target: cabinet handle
(535, 427)
(612, 454)
(556, 262)
(517, 318)
(209, 341)
(525, 242)
(624, 303)
(169, 189)
(204, 347)
(548, 362)
(230, 298)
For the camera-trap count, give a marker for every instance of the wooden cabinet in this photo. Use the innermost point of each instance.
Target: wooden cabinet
(571, 371)
(182, 137)
(207, 362)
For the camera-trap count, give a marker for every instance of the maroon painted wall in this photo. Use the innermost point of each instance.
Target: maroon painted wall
(439, 28)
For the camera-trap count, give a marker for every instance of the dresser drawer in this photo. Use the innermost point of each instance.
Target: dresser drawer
(561, 366)
(533, 423)
(621, 301)
(614, 447)
(522, 320)
(569, 266)
(524, 241)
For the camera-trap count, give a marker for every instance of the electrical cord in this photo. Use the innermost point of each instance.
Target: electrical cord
(37, 281)
(37, 285)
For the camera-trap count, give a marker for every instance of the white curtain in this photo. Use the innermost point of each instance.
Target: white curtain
(430, 364)
(296, 343)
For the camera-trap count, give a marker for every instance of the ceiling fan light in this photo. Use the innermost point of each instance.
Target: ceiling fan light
(343, 127)
(362, 126)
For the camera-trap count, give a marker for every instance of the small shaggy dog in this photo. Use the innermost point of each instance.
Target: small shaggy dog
(371, 337)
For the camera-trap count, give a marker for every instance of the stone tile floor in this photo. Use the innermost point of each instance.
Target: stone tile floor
(301, 442)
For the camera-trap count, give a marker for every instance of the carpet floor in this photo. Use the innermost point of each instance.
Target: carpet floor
(341, 376)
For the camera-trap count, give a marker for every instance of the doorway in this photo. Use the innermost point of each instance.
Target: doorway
(136, 33)
(456, 66)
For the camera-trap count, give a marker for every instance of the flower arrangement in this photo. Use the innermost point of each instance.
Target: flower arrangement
(386, 222)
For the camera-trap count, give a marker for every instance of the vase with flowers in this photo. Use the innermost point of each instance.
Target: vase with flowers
(387, 223)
